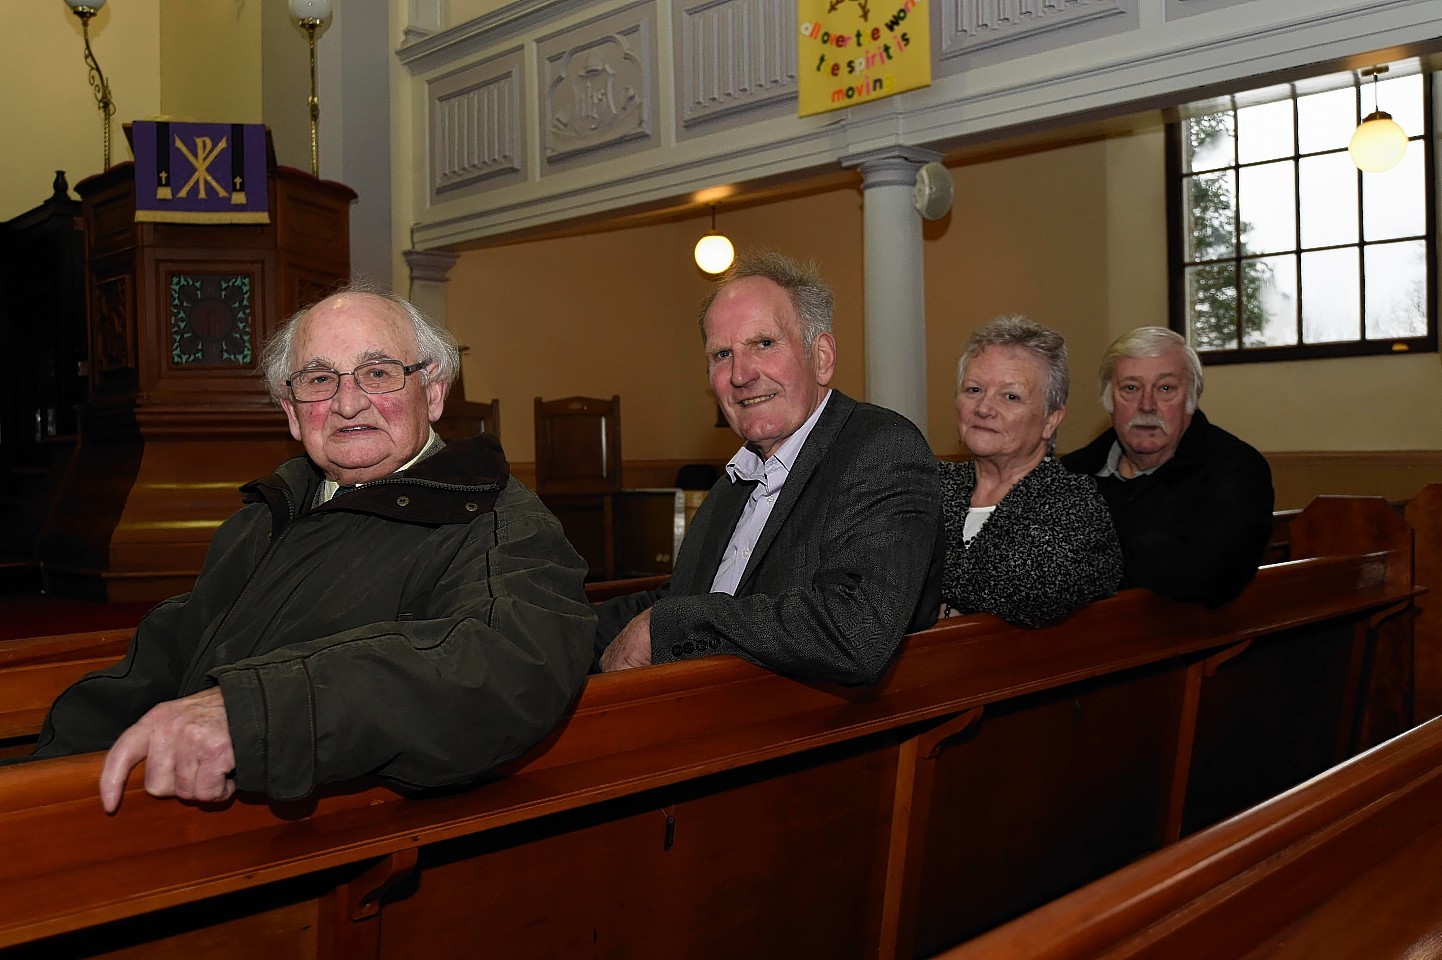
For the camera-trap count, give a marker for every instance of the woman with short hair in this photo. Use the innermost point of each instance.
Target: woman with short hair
(1027, 540)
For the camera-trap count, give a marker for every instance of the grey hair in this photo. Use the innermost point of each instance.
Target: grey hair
(1150, 342)
(434, 343)
(1019, 331)
(810, 294)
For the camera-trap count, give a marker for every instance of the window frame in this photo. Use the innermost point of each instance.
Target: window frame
(1177, 242)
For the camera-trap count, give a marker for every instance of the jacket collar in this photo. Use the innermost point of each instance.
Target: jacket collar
(456, 484)
(1191, 450)
(813, 452)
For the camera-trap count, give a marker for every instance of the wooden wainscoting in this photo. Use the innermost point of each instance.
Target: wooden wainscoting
(1300, 476)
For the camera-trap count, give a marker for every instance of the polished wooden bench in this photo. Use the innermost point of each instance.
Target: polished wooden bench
(714, 809)
(35, 669)
(1344, 867)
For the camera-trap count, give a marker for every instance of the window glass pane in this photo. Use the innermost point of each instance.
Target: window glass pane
(1396, 290)
(1211, 205)
(1267, 197)
(1329, 200)
(1396, 201)
(1325, 121)
(1331, 296)
(1208, 143)
(1402, 98)
(1264, 132)
(1269, 301)
(1212, 306)
(1286, 244)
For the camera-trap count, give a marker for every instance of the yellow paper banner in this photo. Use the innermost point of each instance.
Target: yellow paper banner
(854, 51)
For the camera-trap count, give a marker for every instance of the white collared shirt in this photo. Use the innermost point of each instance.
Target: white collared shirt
(1113, 465)
(769, 475)
(328, 487)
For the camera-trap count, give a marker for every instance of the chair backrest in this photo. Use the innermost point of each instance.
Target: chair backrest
(578, 445)
(462, 418)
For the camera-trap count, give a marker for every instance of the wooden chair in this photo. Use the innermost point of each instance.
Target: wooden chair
(578, 472)
(462, 418)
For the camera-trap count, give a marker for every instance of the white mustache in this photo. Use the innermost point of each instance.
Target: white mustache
(1148, 420)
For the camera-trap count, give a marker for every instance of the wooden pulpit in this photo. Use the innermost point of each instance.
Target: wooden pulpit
(178, 415)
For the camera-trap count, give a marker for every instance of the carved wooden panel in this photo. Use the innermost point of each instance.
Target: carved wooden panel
(210, 318)
(733, 56)
(114, 347)
(598, 87)
(972, 25)
(476, 128)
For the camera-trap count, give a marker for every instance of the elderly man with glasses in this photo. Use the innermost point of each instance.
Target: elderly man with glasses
(386, 606)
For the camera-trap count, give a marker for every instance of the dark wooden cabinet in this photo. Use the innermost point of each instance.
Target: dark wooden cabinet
(42, 312)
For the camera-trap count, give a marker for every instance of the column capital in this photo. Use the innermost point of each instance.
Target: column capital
(432, 265)
(889, 166)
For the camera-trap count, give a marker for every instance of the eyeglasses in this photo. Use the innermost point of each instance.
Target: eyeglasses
(375, 376)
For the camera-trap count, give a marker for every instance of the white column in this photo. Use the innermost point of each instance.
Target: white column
(894, 280)
(430, 271)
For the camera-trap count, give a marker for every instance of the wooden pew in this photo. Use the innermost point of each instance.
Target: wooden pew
(1424, 516)
(35, 689)
(34, 670)
(1343, 867)
(713, 809)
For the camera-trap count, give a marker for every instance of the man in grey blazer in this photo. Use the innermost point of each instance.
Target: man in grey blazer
(820, 547)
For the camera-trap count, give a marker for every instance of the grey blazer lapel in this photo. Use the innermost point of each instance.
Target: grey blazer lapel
(813, 452)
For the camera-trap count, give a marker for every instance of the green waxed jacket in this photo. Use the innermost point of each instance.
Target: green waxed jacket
(423, 628)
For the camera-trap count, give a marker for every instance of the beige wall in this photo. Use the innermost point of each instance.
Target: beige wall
(234, 60)
(1007, 250)
(615, 313)
(209, 60)
(1074, 236)
(51, 120)
(1003, 249)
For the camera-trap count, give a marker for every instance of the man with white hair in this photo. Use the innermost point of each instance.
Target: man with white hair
(387, 605)
(1192, 503)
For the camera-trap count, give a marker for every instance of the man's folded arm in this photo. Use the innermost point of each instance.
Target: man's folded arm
(426, 702)
(871, 567)
(97, 708)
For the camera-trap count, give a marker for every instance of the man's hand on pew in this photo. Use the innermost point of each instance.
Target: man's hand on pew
(632, 646)
(186, 748)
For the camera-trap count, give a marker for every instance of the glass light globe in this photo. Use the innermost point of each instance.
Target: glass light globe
(310, 9)
(714, 253)
(92, 6)
(1378, 143)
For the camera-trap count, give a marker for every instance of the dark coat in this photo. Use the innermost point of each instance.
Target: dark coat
(848, 563)
(1196, 528)
(1046, 550)
(423, 628)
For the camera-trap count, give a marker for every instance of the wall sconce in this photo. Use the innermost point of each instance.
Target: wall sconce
(714, 252)
(1378, 142)
(85, 9)
(311, 15)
